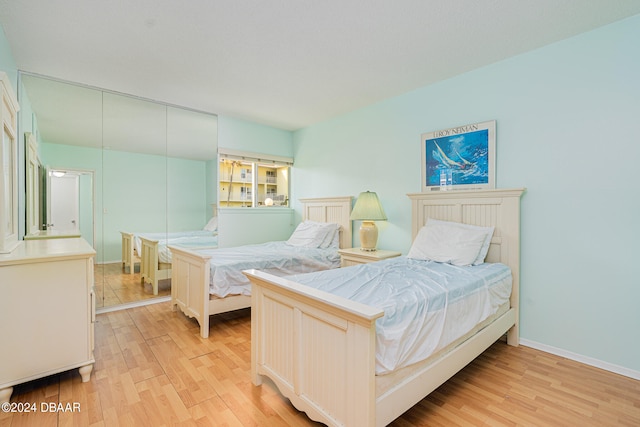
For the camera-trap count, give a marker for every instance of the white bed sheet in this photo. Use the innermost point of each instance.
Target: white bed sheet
(427, 305)
(277, 258)
(197, 239)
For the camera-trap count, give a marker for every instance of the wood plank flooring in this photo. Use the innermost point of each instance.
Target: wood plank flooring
(153, 369)
(113, 287)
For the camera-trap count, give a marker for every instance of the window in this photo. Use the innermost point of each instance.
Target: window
(245, 194)
(252, 180)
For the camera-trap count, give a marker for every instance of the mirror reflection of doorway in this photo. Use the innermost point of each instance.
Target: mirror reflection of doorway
(70, 207)
(64, 203)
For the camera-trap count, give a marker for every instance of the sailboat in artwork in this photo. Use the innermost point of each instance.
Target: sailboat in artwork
(463, 164)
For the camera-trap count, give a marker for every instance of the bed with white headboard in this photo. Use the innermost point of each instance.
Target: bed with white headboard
(191, 270)
(292, 324)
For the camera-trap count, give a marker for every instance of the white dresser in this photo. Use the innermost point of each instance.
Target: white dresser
(47, 311)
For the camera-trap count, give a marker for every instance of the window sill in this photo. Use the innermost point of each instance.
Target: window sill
(262, 210)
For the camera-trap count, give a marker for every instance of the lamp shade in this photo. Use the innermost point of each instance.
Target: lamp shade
(368, 208)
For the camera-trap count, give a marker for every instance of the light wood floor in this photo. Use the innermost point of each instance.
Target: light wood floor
(153, 369)
(115, 288)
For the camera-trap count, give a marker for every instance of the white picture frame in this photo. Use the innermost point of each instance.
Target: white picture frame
(459, 158)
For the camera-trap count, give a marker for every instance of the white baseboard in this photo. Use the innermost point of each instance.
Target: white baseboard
(582, 359)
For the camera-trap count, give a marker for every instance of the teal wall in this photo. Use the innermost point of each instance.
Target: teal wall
(86, 213)
(187, 207)
(566, 130)
(211, 170)
(243, 226)
(238, 226)
(243, 135)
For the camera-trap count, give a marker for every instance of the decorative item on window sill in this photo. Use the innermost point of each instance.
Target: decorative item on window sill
(368, 209)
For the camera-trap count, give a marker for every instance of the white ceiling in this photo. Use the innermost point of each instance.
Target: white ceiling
(285, 63)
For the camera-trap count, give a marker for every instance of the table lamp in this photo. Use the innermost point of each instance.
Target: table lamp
(368, 209)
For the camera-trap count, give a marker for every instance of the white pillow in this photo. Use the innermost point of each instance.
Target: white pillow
(212, 225)
(332, 240)
(311, 234)
(450, 242)
(485, 245)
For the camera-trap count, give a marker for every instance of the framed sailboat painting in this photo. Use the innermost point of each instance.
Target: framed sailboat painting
(459, 158)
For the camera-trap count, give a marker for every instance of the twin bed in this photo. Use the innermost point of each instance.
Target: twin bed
(334, 358)
(207, 282)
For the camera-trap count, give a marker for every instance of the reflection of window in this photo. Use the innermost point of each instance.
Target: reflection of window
(249, 179)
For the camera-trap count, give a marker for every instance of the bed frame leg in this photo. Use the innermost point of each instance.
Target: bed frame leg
(513, 336)
(204, 325)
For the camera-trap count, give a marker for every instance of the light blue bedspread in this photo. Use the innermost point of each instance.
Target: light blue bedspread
(277, 258)
(427, 305)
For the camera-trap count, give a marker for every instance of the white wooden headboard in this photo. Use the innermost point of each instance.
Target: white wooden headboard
(499, 208)
(331, 209)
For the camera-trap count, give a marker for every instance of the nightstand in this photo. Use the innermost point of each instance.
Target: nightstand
(355, 256)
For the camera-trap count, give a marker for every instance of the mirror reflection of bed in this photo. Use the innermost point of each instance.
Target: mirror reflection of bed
(150, 252)
(154, 168)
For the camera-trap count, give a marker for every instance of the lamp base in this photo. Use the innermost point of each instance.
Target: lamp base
(368, 236)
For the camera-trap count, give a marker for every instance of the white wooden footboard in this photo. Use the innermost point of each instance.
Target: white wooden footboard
(319, 349)
(190, 274)
(190, 285)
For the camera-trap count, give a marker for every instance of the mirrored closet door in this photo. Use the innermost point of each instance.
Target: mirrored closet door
(142, 167)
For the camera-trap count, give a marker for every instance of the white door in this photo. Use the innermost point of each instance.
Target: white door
(64, 202)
